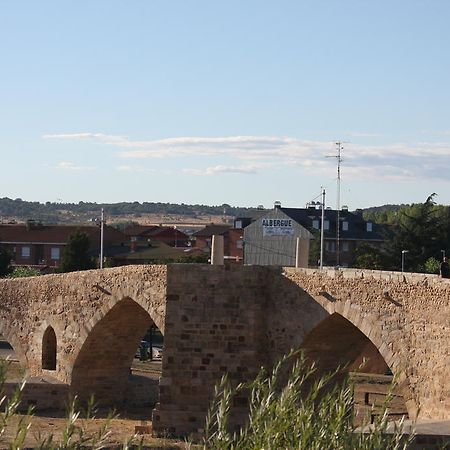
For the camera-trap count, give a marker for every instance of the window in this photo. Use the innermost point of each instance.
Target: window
(344, 226)
(345, 246)
(326, 224)
(330, 246)
(26, 252)
(315, 224)
(239, 243)
(369, 226)
(238, 224)
(55, 253)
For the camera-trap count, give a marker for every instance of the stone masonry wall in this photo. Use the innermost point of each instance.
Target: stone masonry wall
(72, 304)
(406, 316)
(233, 320)
(215, 324)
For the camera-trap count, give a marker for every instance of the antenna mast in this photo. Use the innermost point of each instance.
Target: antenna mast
(339, 147)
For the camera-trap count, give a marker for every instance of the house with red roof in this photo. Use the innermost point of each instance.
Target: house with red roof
(232, 240)
(42, 246)
(170, 236)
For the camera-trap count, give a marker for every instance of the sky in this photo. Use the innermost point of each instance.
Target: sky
(236, 101)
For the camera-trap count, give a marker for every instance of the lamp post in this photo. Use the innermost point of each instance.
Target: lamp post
(403, 259)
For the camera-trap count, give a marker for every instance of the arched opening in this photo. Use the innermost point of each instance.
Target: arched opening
(49, 349)
(13, 370)
(113, 363)
(337, 344)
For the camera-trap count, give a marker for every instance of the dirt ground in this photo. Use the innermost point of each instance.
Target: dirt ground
(118, 431)
(133, 424)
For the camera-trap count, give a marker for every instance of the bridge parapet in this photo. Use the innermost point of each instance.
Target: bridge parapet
(405, 277)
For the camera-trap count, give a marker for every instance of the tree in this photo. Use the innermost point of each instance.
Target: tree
(368, 257)
(314, 250)
(5, 262)
(76, 254)
(421, 229)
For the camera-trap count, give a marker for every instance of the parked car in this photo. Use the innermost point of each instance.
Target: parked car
(157, 352)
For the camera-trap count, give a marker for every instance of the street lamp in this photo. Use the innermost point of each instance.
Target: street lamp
(403, 259)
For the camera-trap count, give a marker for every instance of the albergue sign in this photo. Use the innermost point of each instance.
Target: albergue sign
(277, 227)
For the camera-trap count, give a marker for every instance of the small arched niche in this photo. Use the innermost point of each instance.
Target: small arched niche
(49, 349)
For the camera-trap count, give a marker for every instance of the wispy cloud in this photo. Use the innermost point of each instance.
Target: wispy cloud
(253, 154)
(134, 169)
(70, 166)
(221, 169)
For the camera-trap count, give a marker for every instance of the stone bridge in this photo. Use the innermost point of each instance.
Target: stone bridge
(83, 329)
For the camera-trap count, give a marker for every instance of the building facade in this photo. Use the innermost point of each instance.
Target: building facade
(262, 246)
(272, 240)
(42, 246)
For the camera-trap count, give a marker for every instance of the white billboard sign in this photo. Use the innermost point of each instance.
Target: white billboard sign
(277, 227)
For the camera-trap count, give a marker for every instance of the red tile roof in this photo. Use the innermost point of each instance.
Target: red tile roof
(138, 230)
(36, 233)
(210, 230)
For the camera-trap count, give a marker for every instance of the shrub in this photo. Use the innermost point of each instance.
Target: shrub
(21, 272)
(431, 265)
(295, 417)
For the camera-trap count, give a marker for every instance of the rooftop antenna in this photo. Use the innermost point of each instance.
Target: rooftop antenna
(339, 148)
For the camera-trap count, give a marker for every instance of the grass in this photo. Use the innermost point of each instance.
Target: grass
(303, 414)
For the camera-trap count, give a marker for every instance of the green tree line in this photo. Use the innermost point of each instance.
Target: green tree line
(422, 230)
(59, 212)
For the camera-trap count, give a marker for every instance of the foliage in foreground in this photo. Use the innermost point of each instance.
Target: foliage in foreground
(290, 418)
(75, 434)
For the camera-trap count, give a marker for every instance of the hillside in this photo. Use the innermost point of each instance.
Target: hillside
(168, 213)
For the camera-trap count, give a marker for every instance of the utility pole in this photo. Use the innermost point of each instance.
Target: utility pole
(322, 228)
(339, 147)
(102, 221)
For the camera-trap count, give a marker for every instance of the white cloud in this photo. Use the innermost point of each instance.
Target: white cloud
(251, 154)
(70, 166)
(221, 169)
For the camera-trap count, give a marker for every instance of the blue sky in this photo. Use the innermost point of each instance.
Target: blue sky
(217, 102)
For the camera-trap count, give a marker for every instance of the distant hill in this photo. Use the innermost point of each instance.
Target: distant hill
(50, 212)
(383, 208)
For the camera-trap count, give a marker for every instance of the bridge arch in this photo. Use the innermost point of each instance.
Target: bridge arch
(103, 361)
(347, 338)
(11, 336)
